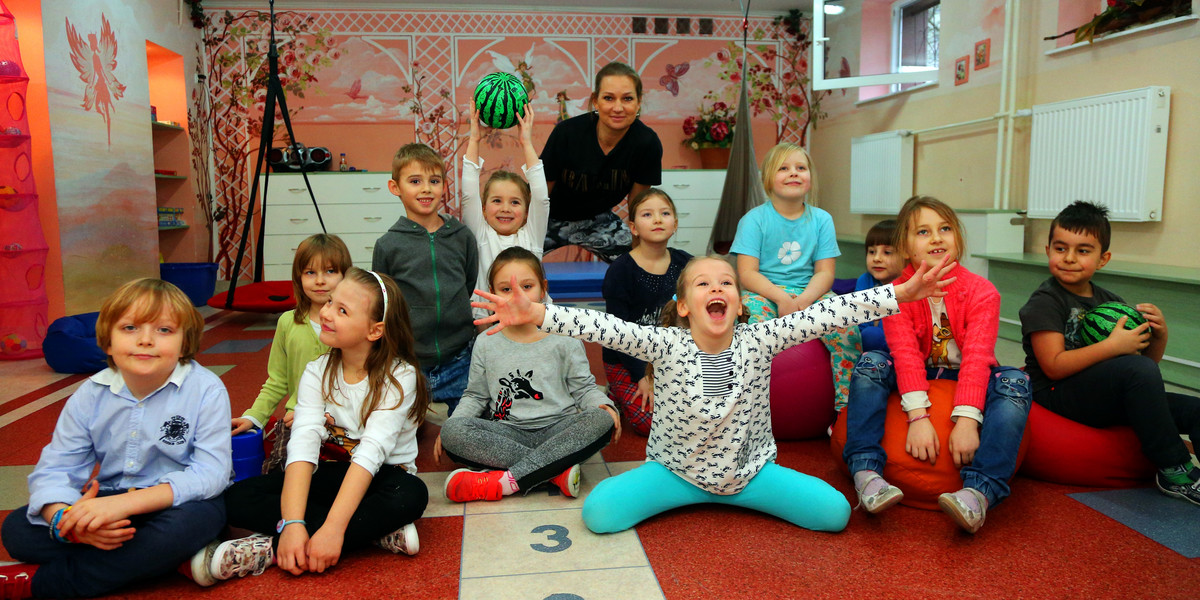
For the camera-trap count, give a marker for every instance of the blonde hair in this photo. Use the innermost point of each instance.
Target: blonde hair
(418, 153)
(154, 295)
(775, 157)
(396, 344)
(908, 213)
(322, 247)
(670, 314)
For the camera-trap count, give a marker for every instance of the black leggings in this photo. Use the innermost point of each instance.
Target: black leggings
(1128, 390)
(394, 499)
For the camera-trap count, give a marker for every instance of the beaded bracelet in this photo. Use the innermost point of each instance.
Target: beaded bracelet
(915, 419)
(54, 533)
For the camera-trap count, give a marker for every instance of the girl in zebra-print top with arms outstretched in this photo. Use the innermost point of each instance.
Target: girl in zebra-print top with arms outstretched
(706, 444)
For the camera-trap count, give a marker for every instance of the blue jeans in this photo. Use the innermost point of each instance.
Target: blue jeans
(448, 381)
(1005, 409)
(163, 541)
(621, 502)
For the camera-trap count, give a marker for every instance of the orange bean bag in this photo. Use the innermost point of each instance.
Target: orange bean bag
(1069, 452)
(921, 482)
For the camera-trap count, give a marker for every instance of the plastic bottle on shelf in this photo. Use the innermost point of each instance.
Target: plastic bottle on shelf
(342, 163)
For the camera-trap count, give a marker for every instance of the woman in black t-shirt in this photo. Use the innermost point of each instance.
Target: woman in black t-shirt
(594, 160)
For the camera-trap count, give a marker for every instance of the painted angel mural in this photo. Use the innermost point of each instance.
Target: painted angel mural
(96, 61)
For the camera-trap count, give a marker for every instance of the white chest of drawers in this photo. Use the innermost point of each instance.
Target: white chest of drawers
(356, 207)
(697, 194)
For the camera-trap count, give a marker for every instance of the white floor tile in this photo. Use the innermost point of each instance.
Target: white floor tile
(636, 583)
(547, 541)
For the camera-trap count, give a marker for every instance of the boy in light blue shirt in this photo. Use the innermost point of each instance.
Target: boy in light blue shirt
(156, 424)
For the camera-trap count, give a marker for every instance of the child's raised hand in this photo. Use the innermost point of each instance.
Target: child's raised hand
(505, 312)
(1129, 341)
(964, 441)
(926, 282)
(475, 132)
(1153, 316)
(240, 425)
(525, 124)
(922, 441)
(292, 553)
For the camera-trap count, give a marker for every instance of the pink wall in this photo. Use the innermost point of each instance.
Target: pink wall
(374, 80)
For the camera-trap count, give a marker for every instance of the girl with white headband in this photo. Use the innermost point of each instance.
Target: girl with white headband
(357, 414)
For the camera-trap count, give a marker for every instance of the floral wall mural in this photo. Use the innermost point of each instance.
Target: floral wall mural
(365, 82)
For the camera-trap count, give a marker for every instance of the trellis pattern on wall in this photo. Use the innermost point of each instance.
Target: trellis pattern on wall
(415, 71)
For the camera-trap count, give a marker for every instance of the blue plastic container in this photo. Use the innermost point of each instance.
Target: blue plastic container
(197, 280)
(248, 454)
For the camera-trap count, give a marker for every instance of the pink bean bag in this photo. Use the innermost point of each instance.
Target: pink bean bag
(802, 392)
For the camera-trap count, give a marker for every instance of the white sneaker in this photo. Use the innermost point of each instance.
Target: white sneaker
(401, 541)
(245, 556)
(198, 565)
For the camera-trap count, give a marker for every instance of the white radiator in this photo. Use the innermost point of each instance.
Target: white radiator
(881, 172)
(1109, 149)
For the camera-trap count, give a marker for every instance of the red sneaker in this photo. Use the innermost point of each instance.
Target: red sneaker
(568, 481)
(465, 485)
(16, 581)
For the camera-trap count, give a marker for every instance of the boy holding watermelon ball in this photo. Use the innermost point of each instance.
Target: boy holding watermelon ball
(1114, 381)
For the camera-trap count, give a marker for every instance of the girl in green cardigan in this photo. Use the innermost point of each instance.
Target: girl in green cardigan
(321, 261)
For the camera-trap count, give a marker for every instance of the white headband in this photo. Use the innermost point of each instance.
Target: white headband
(382, 289)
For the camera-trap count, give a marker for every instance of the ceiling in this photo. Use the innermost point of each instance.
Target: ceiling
(668, 7)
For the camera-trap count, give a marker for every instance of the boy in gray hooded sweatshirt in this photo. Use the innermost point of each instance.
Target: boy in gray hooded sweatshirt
(435, 260)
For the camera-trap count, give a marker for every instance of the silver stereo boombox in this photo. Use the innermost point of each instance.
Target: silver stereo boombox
(297, 157)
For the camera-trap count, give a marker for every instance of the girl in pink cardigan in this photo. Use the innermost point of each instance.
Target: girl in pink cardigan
(945, 338)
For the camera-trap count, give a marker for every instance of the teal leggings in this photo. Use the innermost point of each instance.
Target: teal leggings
(621, 502)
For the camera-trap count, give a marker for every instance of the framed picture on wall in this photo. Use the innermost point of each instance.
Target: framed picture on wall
(983, 53)
(962, 70)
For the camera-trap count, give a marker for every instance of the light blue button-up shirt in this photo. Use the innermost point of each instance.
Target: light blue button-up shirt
(178, 434)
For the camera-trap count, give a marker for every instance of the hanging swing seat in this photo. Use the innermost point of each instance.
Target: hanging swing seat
(258, 297)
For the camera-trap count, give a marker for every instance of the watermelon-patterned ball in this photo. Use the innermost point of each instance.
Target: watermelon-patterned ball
(500, 97)
(1099, 322)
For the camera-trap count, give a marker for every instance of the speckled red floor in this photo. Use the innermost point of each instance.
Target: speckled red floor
(1039, 543)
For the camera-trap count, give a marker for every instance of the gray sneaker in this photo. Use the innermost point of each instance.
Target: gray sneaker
(401, 541)
(957, 505)
(241, 557)
(884, 496)
(1187, 491)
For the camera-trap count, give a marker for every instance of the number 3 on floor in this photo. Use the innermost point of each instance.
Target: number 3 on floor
(554, 533)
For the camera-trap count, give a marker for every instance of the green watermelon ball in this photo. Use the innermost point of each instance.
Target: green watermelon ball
(1099, 322)
(500, 97)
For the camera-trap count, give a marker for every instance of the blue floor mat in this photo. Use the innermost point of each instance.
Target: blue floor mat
(1172, 522)
(233, 346)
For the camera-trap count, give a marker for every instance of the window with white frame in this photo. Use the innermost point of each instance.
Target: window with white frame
(875, 45)
(916, 29)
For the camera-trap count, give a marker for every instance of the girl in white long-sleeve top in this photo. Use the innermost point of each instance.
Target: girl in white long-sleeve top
(711, 437)
(357, 414)
(510, 211)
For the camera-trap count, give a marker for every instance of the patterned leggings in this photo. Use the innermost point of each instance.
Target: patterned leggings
(845, 345)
